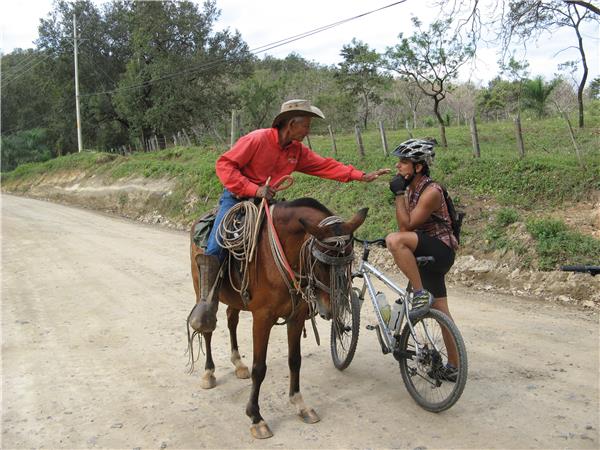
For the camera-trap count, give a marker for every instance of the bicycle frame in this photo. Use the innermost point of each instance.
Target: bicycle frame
(365, 269)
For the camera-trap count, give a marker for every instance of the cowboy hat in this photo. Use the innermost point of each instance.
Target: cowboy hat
(296, 107)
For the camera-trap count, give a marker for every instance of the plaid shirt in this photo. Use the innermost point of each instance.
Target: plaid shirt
(441, 230)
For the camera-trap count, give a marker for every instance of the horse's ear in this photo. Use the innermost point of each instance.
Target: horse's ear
(355, 222)
(311, 229)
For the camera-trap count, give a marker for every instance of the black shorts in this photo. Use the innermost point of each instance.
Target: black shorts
(433, 274)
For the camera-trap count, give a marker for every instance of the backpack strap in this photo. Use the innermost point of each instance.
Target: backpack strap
(433, 215)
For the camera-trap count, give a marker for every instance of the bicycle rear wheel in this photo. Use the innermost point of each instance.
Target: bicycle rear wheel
(345, 327)
(425, 375)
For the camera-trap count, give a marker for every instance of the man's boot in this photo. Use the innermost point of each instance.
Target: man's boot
(203, 317)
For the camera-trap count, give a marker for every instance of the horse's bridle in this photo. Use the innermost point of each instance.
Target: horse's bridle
(333, 252)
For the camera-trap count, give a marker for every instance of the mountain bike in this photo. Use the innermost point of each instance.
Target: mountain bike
(420, 345)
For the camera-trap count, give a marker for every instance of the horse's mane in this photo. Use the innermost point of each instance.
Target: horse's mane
(307, 202)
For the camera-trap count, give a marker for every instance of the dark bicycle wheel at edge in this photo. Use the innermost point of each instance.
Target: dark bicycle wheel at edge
(345, 326)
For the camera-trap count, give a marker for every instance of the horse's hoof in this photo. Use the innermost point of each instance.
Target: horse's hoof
(208, 381)
(260, 430)
(242, 373)
(309, 416)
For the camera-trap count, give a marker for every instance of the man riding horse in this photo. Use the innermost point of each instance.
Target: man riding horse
(270, 153)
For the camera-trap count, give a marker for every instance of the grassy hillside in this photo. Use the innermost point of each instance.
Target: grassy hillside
(548, 179)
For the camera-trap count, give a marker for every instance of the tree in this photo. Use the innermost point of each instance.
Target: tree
(586, 5)
(461, 99)
(431, 59)
(528, 19)
(23, 147)
(595, 88)
(180, 72)
(24, 98)
(536, 93)
(359, 75)
(563, 97)
(500, 97)
(524, 21)
(400, 104)
(277, 80)
(103, 52)
(260, 95)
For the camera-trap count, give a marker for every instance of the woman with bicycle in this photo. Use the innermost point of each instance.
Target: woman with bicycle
(425, 229)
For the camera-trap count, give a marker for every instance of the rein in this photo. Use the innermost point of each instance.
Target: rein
(312, 251)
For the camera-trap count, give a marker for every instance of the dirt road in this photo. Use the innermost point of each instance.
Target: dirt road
(93, 341)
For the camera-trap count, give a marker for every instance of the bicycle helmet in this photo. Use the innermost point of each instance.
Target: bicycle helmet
(416, 150)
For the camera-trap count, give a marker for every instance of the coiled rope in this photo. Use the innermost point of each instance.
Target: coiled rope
(238, 233)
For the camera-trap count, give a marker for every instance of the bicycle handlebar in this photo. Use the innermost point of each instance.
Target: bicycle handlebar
(379, 241)
(592, 270)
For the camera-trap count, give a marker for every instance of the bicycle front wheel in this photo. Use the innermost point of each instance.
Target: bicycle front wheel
(345, 326)
(428, 380)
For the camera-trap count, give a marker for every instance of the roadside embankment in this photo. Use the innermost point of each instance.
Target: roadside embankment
(144, 199)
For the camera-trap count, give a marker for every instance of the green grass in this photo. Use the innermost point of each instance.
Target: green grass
(496, 233)
(548, 177)
(557, 244)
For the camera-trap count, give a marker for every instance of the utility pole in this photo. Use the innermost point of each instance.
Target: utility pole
(79, 143)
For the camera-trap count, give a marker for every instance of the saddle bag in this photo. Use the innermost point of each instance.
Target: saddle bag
(203, 228)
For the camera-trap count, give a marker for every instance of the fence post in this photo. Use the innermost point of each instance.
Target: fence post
(234, 122)
(197, 134)
(383, 138)
(308, 142)
(519, 133)
(475, 139)
(565, 115)
(187, 138)
(361, 148)
(332, 141)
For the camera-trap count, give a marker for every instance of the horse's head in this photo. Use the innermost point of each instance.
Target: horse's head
(328, 256)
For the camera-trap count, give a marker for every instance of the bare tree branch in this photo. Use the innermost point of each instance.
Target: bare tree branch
(586, 5)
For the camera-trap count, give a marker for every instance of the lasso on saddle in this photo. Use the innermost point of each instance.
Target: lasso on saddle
(238, 234)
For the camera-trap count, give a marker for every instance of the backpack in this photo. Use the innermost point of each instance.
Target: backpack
(456, 216)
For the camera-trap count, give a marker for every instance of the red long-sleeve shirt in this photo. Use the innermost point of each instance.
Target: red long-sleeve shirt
(258, 156)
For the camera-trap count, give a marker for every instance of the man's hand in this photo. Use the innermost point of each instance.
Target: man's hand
(265, 192)
(368, 177)
(398, 185)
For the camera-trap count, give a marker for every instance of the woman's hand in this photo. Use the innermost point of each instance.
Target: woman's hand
(368, 177)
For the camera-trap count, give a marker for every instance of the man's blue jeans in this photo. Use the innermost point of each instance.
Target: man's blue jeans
(226, 202)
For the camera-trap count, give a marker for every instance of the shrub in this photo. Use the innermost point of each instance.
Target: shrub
(506, 216)
(557, 244)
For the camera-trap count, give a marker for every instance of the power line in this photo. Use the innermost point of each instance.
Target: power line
(14, 76)
(261, 49)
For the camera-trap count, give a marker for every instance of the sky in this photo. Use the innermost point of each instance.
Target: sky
(262, 22)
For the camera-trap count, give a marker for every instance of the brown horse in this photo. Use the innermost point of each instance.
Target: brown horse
(317, 245)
